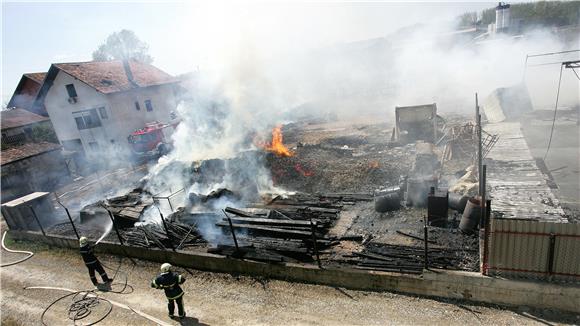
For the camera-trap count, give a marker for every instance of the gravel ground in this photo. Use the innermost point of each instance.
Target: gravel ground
(222, 299)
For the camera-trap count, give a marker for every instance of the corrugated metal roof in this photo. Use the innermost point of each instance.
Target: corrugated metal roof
(518, 186)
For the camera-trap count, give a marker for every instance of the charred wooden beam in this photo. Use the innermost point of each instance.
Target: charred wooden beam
(276, 231)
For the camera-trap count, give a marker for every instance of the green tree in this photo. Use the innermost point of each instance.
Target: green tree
(44, 132)
(123, 45)
(540, 14)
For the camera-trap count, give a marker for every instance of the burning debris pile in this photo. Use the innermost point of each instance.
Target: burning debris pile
(293, 229)
(126, 209)
(461, 142)
(170, 235)
(230, 207)
(322, 162)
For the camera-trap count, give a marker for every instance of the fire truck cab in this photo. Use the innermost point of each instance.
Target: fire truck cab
(153, 139)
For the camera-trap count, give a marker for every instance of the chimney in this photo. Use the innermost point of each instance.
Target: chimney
(129, 73)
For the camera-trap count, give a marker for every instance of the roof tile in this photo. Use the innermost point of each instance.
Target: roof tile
(110, 76)
(26, 150)
(19, 117)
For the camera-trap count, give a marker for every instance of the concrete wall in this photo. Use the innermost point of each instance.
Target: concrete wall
(439, 283)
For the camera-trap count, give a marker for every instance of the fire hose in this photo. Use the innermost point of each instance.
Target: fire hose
(81, 308)
(114, 303)
(29, 253)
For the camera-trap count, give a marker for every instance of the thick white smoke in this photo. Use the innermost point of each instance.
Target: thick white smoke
(252, 81)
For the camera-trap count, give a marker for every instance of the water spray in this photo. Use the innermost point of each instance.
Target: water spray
(107, 231)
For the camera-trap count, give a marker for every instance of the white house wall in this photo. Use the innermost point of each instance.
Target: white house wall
(123, 118)
(129, 119)
(61, 111)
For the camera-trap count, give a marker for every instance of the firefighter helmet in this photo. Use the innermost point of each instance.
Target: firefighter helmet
(165, 268)
(83, 241)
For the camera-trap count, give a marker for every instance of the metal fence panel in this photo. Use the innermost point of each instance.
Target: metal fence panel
(534, 249)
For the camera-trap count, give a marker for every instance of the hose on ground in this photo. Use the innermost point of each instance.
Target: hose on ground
(118, 271)
(81, 307)
(118, 304)
(29, 253)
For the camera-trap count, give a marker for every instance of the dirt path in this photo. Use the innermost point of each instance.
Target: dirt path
(221, 299)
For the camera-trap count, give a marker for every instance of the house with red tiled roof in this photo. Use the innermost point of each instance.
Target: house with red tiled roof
(94, 106)
(26, 91)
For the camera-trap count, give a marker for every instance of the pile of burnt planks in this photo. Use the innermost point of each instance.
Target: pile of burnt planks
(127, 209)
(172, 235)
(404, 259)
(283, 235)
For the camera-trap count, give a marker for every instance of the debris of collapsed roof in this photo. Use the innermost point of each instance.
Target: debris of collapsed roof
(195, 198)
(126, 209)
(461, 142)
(152, 235)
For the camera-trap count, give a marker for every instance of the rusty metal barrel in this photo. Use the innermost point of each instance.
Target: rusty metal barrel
(471, 216)
(388, 200)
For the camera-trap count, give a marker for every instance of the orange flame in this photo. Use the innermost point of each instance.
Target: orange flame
(277, 146)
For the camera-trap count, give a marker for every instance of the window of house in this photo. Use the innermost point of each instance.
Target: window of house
(137, 106)
(70, 89)
(72, 145)
(148, 105)
(87, 119)
(80, 123)
(103, 112)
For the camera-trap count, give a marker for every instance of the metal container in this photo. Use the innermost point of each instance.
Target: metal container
(388, 202)
(457, 202)
(418, 189)
(437, 206)
(471, 216)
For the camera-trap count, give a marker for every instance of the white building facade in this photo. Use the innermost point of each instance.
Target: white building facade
(95, 106)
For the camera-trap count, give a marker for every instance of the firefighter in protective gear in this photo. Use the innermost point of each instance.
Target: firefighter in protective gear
(169, 281)
(92, 263)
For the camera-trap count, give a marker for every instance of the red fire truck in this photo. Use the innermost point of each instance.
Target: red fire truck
(152, 140)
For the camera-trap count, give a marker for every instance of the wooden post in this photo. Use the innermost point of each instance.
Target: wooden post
(313, 227)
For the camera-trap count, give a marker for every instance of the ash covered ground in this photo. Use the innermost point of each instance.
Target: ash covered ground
(328, 158)
(359, 157)
(341, 157)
